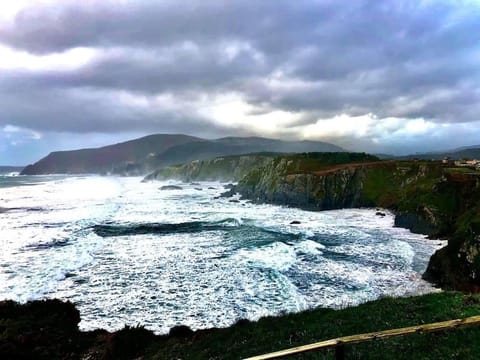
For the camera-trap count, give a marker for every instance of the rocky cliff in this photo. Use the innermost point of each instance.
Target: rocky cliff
(228, 168)
(426, 198)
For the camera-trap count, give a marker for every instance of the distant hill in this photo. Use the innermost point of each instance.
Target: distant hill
(466, 152)
(123, 156)
(142, 155)
(208, 149)
(10, 169)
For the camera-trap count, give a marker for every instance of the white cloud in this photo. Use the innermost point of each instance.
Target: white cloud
(11, 59)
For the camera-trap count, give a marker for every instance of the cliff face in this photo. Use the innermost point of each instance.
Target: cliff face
(426, 199)
(229, 168)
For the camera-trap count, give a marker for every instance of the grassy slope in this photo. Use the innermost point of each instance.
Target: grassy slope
(48, 330)
(272, 334)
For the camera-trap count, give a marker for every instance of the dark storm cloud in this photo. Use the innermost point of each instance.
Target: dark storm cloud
(87, 110)
(317, 58)
(184, 68)
(70, 24)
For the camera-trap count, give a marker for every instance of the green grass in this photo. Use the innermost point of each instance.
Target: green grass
(309, 162)
(462, 170)
(276, 333)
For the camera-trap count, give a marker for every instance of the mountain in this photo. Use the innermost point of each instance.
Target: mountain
(456, 154)
(463, 148)
(208, 149)
(122, 157)
(10, 169)
(143, 155)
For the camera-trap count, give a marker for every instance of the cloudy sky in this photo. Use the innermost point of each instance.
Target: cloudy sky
(380, 76)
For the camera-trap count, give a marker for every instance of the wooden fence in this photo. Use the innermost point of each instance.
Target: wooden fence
(339, 343)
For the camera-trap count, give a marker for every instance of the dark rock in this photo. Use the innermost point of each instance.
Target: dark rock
(194, 183)
(229, 186)
(379, 213)
(228, 193)
(171, 187)
(415, 223)
(38, 330)
(295, 222)
(181, 331)
(234, 201)
(211, 188)
(199, 189)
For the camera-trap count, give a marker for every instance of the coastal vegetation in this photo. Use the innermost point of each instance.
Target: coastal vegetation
(48, 330)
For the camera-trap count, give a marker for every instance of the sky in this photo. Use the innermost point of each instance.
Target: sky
(394, 76)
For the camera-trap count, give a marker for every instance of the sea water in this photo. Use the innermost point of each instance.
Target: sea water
(128, 253)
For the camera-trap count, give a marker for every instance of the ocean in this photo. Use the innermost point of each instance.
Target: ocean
(127, 253)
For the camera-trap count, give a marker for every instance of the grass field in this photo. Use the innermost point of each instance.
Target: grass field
(272, 334)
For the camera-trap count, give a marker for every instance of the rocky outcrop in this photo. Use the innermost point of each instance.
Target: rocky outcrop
(415, 222)
(228, 168)
(49, 330)
(425, 198)
(458, 264)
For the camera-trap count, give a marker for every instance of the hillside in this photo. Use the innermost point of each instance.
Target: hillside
(209, 149)
(456, 154)
(142, 155)
(126, 157)
(227, 168)
(426, 197)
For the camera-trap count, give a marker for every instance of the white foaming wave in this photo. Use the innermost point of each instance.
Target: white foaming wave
(278, 256)
(343, 283)
(384, 251)
(46, 270)
(222, 292)
(309, 247)
(200, 279)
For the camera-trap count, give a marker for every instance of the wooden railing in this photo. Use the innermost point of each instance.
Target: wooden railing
(339, 343)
